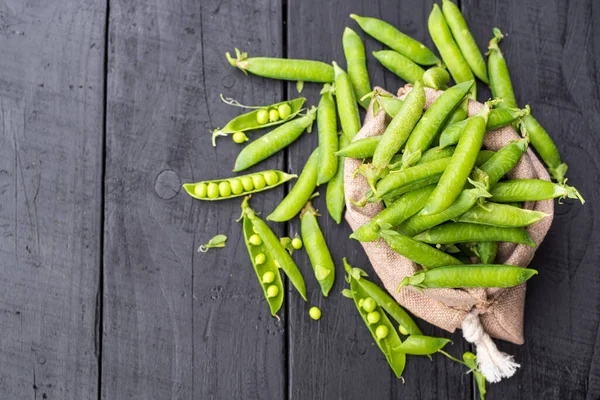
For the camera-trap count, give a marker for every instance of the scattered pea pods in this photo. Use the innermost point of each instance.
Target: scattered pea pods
(503, 215)
(500, 82)
(399, 65)
(314, 243)
(253, 119)
(427, 256)
(346, 103)
(462, 232)
(396, 40)
(222, 189)
(334, 196)
(518, 190)
(468, 276)
(272, 142)
(328, 136)
(274, 248)
(283, 68)
(356, 61)
(297, 197)
(545, 147)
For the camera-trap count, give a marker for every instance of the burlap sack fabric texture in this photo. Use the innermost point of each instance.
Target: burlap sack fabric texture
(500, 310)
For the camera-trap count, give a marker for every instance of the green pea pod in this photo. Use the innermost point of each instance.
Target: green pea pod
(504, 161)
(362, 148)
(427, 256)
(334, 196)
(431, 122)
(470, 360)
(237, 186)
(399, 65)
(356, 60)
(316, 247)
(449, 50)
(470, 276)
(502, 215)
(436, 78)
(420, 345)
(391, 105)
(545, 147)
(519, 190)
(500, 82)
(397, 212)
(275, 249)
(328, 136)
(267, 271)
(461, 164)
(396, 40)
(464, 39)
(297, 197)
(274, 141)
(435, 153)
(487, 251)
(283, 68)
(462, 232)
(249, 120)
(346, 103)
(409, 187)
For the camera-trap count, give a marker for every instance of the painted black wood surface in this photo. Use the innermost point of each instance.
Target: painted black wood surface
(106, 109)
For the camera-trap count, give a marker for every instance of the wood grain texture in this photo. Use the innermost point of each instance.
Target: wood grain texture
(51, 94)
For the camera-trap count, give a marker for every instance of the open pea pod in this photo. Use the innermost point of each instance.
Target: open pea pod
(252, 120)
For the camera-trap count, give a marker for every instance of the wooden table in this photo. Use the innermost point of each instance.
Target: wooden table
(105, 110)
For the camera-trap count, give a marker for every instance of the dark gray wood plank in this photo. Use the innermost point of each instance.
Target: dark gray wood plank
(550, 48)
(181, 324)
(51, 110)
(336, 357)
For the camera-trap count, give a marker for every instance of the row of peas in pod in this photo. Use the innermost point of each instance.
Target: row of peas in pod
(447, 200)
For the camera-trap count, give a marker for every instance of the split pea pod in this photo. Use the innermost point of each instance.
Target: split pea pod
(500, 82)
(222, 189)
(318, 253)
(252, 120)
(503, 215)
(297, 197)
(400, 210)
(503, 161)
(518, 190)
(431, 122)
(487, 251)
(356, 61)
(328, 136)
(283, 68)
(464, 39)
(449, 50)
(436, 78)
(545, 147)
(420, 345)
(334, 196)
(399, 65)
(272, 142)
(275, 249)
(266, 271)
(346, 103)
(470, 276)
(396, 40)
(427, 256)
(462, 232)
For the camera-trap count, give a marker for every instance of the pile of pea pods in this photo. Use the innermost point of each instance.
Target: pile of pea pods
(447, 202)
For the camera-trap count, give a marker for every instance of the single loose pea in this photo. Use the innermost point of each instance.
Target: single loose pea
(262, 117)
(224, 189)
(239, 137)
(260, 259)
(259, 181)
(200, 190)
(369, 305)
(213, 190)
(297, 243)
(382, 331)
(315, 313)
(236, 186)
(271, 177)
(273, 115)
(284, 111)
(247, 183)
(255, 240)
(403, 330)
(272, 291)
(373, 317)
(268, 277)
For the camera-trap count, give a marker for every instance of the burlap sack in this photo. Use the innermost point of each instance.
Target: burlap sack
(500, 310)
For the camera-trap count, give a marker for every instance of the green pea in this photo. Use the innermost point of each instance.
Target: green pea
(260, 259)
(297, 243)
(213, 190)
(273, 115)
(382, 331)
(369, 304)
(239, 137)
(262, 117)
(284, 111)
(403, 330)
(224, 189)
(201, 190)
(268, 277)
(247, 183)
(271, 177)
(272, 291)
(259, 181)
(255, 240)
(236, 186)
(314, 313)
(373, 317)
